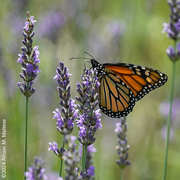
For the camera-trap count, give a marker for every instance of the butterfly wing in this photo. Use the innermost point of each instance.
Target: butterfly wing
(121, 85)
(116, 99)
(141, 80)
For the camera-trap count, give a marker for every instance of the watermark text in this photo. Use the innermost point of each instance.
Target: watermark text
(3, 149)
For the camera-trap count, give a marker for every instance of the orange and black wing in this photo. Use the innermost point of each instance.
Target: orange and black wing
(116, 99)
(121, 85)
(141, 80)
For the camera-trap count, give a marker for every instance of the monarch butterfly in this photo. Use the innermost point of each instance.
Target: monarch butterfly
(122, 84)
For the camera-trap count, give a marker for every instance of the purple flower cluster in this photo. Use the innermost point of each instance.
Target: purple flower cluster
(173, 29)
(28, 59)
(88, 174)
(122, 147)
(88, 120)
(71, 159)
(54, 148)
(64, 123)
(36, 170)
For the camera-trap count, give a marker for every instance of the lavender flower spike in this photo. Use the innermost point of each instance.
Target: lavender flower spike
(122, 147)
(173, 29)
(89, 117)
(36, 170)
(71, 158)
(65, 118)
(28, 59)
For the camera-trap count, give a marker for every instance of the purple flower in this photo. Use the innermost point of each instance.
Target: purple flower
(66, 116)
(122, 147)
(89, 117)
(57, 115)
(174, 54)
(71, 158)
(178, 49)
(26, 89)
(173, 30)
(177, 26)
(173, 27)
(171, 53)
(28, 59)
(36, 170)
(170, 30)
(90, 171)
(118, 127)
(88, 174)
(29, 23)
(54, 148)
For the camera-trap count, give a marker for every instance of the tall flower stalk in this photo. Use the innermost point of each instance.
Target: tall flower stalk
(28, 59)
(66, 116)
(89, 117)
(173, 32)
(123, 147)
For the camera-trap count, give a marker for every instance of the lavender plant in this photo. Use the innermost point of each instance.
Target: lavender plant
(88, 121)
(66, 116)
(123, 147)
(89, 117)
(36, 170)
(71, 158)
(173, 32)
(28, 59)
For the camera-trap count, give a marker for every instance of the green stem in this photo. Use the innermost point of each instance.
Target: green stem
(84, 154)
(121, 174)
(26, 129)
(169, 123)
(61, 163)
(83, 158)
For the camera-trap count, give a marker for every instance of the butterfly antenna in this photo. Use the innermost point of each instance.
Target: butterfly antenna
(79, 58)
(89, 54)
(89, 59)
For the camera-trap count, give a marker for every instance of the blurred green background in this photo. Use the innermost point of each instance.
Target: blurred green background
(111, 31)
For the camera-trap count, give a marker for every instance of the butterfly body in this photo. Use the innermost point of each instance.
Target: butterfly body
(122, 84)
